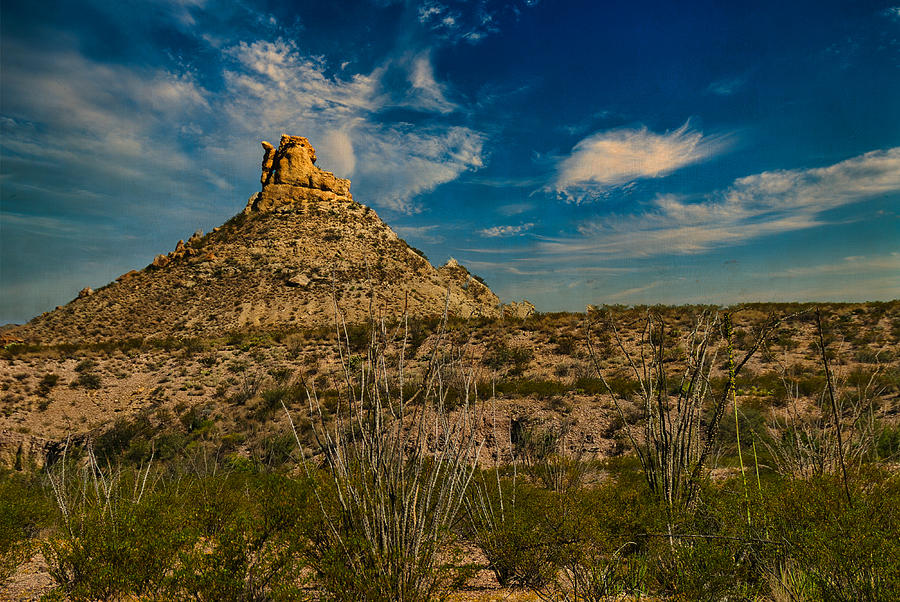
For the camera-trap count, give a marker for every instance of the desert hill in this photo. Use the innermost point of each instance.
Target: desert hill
(301, 244)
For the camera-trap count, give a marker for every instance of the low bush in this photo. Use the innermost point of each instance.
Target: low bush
(514, 360)
(507, 521)
(845, 551)
(87, 380)
(46, 384)
(250, 536)
(25, 509)
(118, 534)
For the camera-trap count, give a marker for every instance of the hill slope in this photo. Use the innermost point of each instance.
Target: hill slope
(301, 243)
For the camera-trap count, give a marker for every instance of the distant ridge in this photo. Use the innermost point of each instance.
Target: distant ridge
(301, 242)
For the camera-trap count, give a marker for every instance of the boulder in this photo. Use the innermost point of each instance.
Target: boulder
(298, 279)
(85, 292)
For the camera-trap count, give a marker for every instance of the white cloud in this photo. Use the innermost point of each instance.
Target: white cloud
(515, 208)
(402, 162)
(429, 94)
(41, 225)
(181, 10)
(503, 231)
(630, 293)
(342, 158)
(431, 11)
(464, 20)
(764, 204)
(614, 158)
(96, 126)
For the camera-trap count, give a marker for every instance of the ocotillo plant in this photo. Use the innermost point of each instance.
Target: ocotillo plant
(399, 467)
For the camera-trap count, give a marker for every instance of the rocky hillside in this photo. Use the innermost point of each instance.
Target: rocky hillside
(301, 247)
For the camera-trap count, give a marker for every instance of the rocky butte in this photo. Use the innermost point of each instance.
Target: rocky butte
(301, 248)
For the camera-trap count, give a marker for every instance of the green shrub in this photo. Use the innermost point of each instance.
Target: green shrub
(87, 380)
(542, 389)
(119, 535)
(253, 540)
(524, 531)
(514, 359)
(85, 365)
(24, 510)
(271, 399)
(129, 437)
(46, 384)
(846, 551)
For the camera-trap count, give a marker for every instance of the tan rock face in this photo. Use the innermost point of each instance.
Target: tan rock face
(290, 176)
(518, 309)
(268, 160)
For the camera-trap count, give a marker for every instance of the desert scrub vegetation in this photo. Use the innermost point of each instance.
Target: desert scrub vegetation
(206, 532)
(213, 532)
(382, 490)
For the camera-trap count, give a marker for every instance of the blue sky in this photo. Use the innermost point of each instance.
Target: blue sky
(568, 152)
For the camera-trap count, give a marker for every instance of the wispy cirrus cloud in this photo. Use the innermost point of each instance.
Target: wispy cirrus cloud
(614, 158)
(727, 85)
(763, 204)
(854, 265)
(428, 92)
(467, 20)
(504, 231)
(92, 137)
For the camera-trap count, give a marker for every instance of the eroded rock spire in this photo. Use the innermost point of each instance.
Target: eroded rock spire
(290, 177)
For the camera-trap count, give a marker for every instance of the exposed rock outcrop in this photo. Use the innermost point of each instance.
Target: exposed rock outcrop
(290, 176)
(517, 309)
(26, 452)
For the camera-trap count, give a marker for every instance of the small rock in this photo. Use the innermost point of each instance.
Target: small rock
(85, 292)
(298, 280)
